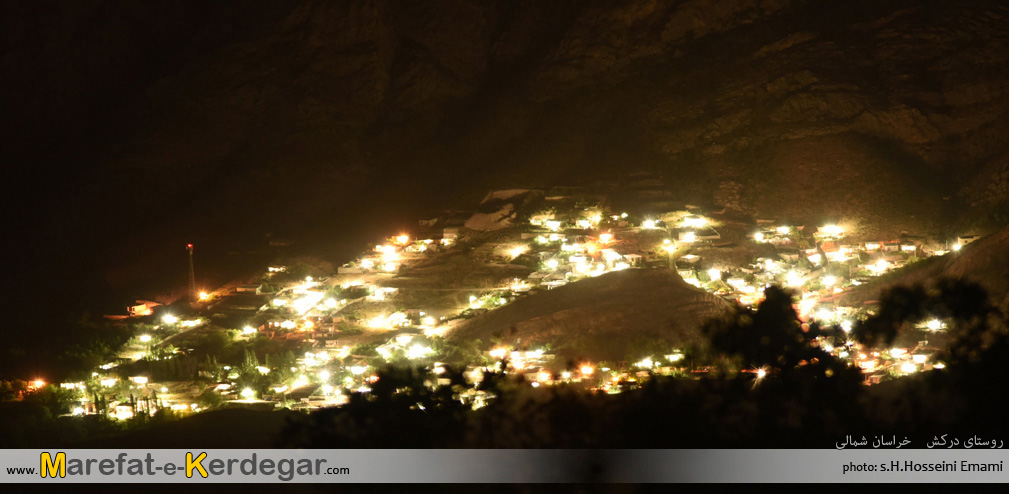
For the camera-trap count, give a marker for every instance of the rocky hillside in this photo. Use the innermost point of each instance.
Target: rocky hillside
(139, 127)
(605, 318)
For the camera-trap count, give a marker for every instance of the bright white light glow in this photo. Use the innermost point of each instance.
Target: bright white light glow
(832, 230)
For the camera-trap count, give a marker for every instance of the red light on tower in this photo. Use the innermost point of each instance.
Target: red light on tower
(189, 246)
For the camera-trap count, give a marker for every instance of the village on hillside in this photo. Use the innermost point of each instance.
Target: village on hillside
(305, 341)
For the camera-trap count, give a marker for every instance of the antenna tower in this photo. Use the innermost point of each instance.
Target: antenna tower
(192, 276)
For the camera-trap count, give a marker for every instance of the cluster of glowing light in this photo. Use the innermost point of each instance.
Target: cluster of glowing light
(880, 266)
(908, 368)
(308, 324)
(390, 267)
(541, 239)
(846, 326)
(587, 370)
(499, 353)
(108, 381)
(553, 225)
(832, 230)
(783, 230)
(689, 237)
(648, 224)
(693, 281)
(139, 379)
(357, 370)
(277, 269)
(301, 381)
(770, 265)
(403, 239)
(543, 376)
(288, 324)
(761, 373)
(331, 303)
(957, 246)
(145, 338)
(714, 274)
(518, 285)
(367, 263)
(674, 357)
(737, 283)
(611, 255)
(605, 238)
(793, 279)
(571, 247)
(279, 302)
(934, 325)
(191, 323)
(248, 330)
(263, 370)
(307, 302)
(418, 351)
(759, 237)
(327, 389)
(897, 352)
(565, 375)
(204, 296)
(428, 321)
(867, 364)
(824, 315)
(517, 362)
(248, 393)
(694, 222)
(556, 237)
(583, 224)
(518, 251)
(169, 319)
(939, 365)
(806, 306)
(829, 280)
(646, 363)
(384, 322)
(919, 358)
(620, 266)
